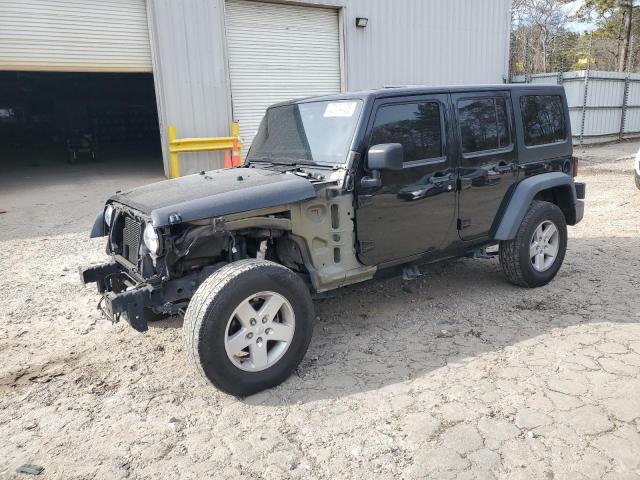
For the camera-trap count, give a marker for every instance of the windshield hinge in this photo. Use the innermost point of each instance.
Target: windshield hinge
(349, 181)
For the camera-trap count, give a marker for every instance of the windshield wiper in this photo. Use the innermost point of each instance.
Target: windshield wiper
(276, 160)
(289, 162)
(260, 160)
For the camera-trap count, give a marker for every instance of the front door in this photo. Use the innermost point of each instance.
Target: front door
(411, 211)
(487, 159)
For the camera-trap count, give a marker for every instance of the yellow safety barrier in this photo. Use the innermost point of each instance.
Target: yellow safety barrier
(189, 145)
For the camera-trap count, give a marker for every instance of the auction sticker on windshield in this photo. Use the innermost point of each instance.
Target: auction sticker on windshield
(341, 109)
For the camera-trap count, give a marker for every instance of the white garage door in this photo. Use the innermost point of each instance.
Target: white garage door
(74, 35)
(276, 53)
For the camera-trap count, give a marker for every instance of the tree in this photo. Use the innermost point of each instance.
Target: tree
(538, 23)
(627, 8)
(616, 18)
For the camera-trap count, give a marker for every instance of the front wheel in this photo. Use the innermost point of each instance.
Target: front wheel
(248, 326)
(534, 256)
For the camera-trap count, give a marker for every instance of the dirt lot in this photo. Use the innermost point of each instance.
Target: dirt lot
(457, 375)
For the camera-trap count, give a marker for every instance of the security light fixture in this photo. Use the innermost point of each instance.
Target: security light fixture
(362, 22)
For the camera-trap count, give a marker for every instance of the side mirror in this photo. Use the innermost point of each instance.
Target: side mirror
(383, 157)
(386, 156)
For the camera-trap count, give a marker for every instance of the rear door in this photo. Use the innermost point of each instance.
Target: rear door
(413, 209)
(487, 160)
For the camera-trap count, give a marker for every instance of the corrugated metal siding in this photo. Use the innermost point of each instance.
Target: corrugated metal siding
(632, 123)
(606, 94)
(74, 35)
(435, 42)
(190, 73)
(276, 53)
(406, 42)
(418, 42)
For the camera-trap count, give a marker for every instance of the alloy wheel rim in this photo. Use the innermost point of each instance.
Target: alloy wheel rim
(544, 246)
(259, 331)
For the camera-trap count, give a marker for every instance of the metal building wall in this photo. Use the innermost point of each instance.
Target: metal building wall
(407, 42)
(433, 42)
(190, 73)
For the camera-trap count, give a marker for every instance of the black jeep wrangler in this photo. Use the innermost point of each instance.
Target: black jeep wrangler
(334, 191)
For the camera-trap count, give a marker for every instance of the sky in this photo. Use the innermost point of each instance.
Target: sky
(571, 8)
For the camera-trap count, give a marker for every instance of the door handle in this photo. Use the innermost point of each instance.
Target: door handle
(503, 168)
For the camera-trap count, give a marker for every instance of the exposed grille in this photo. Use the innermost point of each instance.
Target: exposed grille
(131, 239)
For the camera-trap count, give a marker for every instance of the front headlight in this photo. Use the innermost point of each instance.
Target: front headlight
(151, 239)
(108, 215)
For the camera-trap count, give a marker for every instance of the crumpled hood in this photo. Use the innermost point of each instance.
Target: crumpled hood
(216, 193)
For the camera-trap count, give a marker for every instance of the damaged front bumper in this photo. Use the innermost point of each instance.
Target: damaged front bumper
(133, 304)
(138, 301)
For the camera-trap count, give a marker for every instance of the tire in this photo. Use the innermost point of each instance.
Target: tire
(214, 311)
(637, 177)
(517, 264)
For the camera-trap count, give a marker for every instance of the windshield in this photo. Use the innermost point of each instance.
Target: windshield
(317, 132)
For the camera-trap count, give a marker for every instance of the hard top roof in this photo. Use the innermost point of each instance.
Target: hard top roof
(422, 90)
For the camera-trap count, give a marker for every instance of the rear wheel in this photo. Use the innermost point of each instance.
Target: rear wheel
(534, 256)
(248, 326)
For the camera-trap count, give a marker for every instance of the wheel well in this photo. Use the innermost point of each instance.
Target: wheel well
(562, 196)
(282, 248)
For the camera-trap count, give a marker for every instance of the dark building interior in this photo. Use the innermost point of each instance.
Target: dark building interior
(77, 118)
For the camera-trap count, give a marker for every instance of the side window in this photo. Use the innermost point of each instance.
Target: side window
(543, 119)
(416, 126)
(484, 124)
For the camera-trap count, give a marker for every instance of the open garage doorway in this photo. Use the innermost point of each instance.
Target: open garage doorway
(68, 141)
(62, 119)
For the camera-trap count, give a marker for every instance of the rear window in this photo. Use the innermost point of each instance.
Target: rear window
(543, 119)
(484, 124)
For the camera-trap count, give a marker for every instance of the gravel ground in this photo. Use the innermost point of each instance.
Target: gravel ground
(456, 375)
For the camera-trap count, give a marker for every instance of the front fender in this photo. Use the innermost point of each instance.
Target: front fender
(98, 229)
(524, 194)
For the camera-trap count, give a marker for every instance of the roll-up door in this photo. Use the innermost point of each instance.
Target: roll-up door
(74, 36)
(276, 53)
